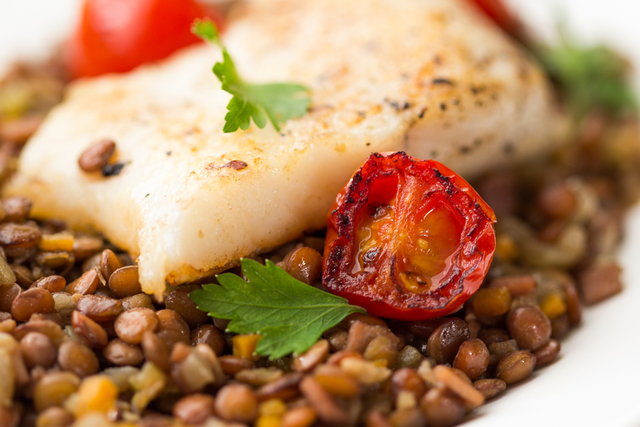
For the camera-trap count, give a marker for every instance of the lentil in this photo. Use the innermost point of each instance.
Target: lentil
(180, 302)
(53, 389)
(236, 402)
(34, 300)
(498, 350)
(490, 387)
(86, 246)
(38, 350)
(530, 327)
(305, 264)
(47, 327)
(77, 358)
(195, 409)
(409, 357)
(407, 417)
(172, 328)
(516, 285)
(137, 301)
(86, 284)
(96, 156)
(442, 408)
(322, 402)
(99, 307)
(120, 353)
(7, 295)
(337, 382)
(91, 333)
(19, 236)
(445, 340)
(312, 357)
(407, 380)
(303, 416)
(284, 388)
(516, 366)
(108, 263)
(24, 277)
(547, 354)
(472, 358)
(337, 339)
(600, 281)
(7, 276)
(132, 324)
(51, 283)
(231, 365)
(376, 419)
(54, 416)
(155, 351)
(124, 281)
(209, 335)
(259, 376)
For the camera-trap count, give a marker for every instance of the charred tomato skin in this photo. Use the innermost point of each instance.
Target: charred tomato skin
(457, 246)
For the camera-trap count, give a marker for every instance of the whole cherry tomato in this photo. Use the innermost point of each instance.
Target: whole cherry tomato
(496, 10)
(407, 239)
(119, 35)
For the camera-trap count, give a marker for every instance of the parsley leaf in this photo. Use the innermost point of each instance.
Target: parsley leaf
(277, 102)
(290, 315)
(590, 77)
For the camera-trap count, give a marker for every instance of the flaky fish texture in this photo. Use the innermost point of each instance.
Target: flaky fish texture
(430, 77)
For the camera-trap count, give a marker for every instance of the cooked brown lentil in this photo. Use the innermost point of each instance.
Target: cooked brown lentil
(88, 331)
(87, 284)
(34, 300)
(209, 335)
(94, 158)
(236, 402)
(124, 281)
(515, 366)
(165, 358)
(119, 353)
(51, 283)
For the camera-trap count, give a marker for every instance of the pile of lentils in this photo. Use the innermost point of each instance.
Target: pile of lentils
(81, 345)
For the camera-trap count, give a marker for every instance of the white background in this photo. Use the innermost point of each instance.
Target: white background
(596, 382)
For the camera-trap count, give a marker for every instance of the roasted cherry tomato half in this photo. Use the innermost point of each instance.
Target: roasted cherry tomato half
(119, 35)
(498, 12)
(407, 239)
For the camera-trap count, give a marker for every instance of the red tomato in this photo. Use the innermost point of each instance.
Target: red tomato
(496, 10)
(407, 239)
(118, 35)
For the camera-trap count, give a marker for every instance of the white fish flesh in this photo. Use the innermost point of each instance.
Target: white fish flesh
(431, 77)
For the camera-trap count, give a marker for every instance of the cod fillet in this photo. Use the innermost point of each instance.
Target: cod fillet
(430, 77)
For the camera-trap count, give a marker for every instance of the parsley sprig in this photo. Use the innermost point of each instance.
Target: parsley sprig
(590, 77)
(277, 102)
(290, 315)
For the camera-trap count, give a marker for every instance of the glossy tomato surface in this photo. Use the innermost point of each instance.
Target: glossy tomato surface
(119, 35)
(407, 239)
(501, 15)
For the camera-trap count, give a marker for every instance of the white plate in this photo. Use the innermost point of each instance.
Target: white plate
(595, 382)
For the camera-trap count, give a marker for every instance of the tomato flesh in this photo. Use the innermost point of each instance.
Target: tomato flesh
(498, 12)
(115, 36)
(407, 239)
